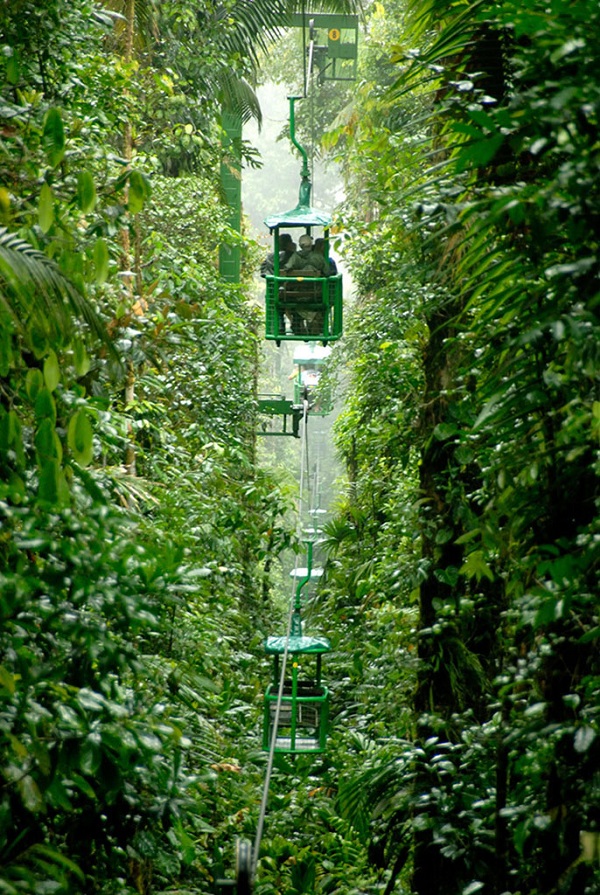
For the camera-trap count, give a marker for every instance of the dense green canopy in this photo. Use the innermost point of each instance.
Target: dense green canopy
(146, 537)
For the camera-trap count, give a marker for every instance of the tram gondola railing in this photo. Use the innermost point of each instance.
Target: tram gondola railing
(304, 308)
(303, 718)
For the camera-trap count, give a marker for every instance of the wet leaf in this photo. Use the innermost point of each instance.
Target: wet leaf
(53, 137)
(139, 191)
(46, 208)
(584, 737)
(86, 191)
(101, 260)
(80, 438)
(31, 795)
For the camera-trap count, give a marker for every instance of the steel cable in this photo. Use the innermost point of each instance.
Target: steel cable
(263, 805)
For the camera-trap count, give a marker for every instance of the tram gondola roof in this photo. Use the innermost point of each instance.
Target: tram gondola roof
(297, 644)
(300, 216)
(311, 353)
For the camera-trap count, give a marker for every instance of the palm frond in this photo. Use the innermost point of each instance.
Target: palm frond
(257, 24)
(341, 7)
(113, 13)
(35, 292)
(337, 532)
(237, 96)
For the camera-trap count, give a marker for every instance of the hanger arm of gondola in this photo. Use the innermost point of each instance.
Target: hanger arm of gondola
(280, 407)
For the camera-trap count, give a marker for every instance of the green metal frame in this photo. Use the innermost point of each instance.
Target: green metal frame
(231, 182)
(303, 716)
(277, 405)
(301, 297)
(337, 58)
(304, 711)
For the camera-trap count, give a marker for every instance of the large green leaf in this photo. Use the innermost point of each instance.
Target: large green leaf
(86, 191)
(54, 137)
(51, 371)
(13, 68)
(101, 260)
(47, 442)
(80, 437)
(34, 381)
(49, 481)
(46, 208)
(139, 190)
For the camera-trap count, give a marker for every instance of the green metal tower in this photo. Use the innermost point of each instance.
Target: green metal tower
(231, 182)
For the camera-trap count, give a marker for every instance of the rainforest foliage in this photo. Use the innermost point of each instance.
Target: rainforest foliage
(470, 432)
(139, 535)
(134, 526)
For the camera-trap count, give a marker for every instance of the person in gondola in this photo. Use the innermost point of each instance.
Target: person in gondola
(287, 248)
(306, 263)
(319, 247)
(315, 319)
(307, 260)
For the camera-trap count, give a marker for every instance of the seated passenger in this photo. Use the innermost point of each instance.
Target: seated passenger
(319, 247)
(287, 248)
(309, 378)
(307, 261)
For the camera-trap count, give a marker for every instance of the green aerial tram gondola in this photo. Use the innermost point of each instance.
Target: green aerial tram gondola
(303, 302)
(296, 705)
(309, 361)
